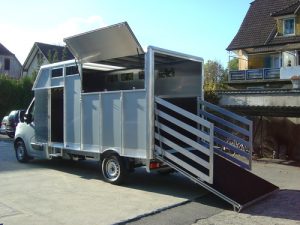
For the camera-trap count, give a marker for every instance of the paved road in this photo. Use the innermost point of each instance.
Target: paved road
(64, 192)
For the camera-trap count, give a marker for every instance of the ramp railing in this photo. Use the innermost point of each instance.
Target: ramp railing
(232, 133)
(177, 136)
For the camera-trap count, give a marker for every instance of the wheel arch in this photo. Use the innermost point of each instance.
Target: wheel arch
(109, 151)
(113, 151)
(16, 141)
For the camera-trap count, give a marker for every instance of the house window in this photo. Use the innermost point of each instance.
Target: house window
(289, 26)
(6, 64)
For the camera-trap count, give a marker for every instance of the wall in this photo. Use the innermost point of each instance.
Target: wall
(287, 99)
(35, 64)
(297, 25)
(15, 67)
(279, 23)
(243, 60)
(288, 72)
(277, 137)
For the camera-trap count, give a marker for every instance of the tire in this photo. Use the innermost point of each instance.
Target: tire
(113, 169)
(21, 152)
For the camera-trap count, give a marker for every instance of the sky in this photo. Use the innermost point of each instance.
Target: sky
(196, 27)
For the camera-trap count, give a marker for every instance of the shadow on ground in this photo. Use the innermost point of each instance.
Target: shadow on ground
(173, 184)
(284, 204)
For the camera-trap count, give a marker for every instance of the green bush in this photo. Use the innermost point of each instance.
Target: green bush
(14, 94)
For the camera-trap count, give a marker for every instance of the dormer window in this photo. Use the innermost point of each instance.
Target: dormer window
(288, 26)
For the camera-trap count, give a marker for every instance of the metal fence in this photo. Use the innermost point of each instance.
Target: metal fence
(255, 74)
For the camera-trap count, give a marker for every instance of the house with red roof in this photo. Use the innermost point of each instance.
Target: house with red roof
(267, 45)
(266, 86)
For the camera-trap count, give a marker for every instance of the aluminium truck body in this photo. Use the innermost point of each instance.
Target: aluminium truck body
(104, 99)
(126, 108)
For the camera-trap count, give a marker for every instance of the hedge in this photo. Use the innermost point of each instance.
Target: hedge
(14, 94)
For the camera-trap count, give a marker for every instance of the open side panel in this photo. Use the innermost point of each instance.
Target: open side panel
(106, 43)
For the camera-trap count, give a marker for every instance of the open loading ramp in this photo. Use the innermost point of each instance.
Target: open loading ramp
(209, 149)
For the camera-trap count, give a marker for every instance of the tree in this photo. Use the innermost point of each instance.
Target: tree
(64, 54)
(14, 94)
(215, 77)
(49, 56)
(233, 64)
(55, 56)
(52, 56)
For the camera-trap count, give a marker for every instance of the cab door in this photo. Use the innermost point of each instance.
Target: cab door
(26, 131)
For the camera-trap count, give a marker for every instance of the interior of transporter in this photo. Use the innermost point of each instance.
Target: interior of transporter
(147, 106)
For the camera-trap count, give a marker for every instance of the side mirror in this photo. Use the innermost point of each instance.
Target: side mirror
(22, 115)
(28, 118)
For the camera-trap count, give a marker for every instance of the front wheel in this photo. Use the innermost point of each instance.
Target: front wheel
(113, 169)
(21, 152)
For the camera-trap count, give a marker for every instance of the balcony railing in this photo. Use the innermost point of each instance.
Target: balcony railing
(254, 74)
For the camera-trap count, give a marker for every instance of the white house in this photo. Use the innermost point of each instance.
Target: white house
(42, 54)
(9, 64)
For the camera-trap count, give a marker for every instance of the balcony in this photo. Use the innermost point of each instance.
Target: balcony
(254, 74)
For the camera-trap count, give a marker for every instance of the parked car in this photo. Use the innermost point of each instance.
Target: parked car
(3, 125)
(13, 119)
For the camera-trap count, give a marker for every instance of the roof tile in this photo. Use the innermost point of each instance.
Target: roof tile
(46, 48)
(5, 51)
(290, 9)
(257, 28)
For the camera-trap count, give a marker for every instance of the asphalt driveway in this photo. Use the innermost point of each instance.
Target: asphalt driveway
(66, 192)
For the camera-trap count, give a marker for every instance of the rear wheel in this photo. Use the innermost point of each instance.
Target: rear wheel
(113, 169)
(21, 152)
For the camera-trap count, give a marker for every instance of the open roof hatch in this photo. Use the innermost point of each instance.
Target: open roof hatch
(105, 43)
